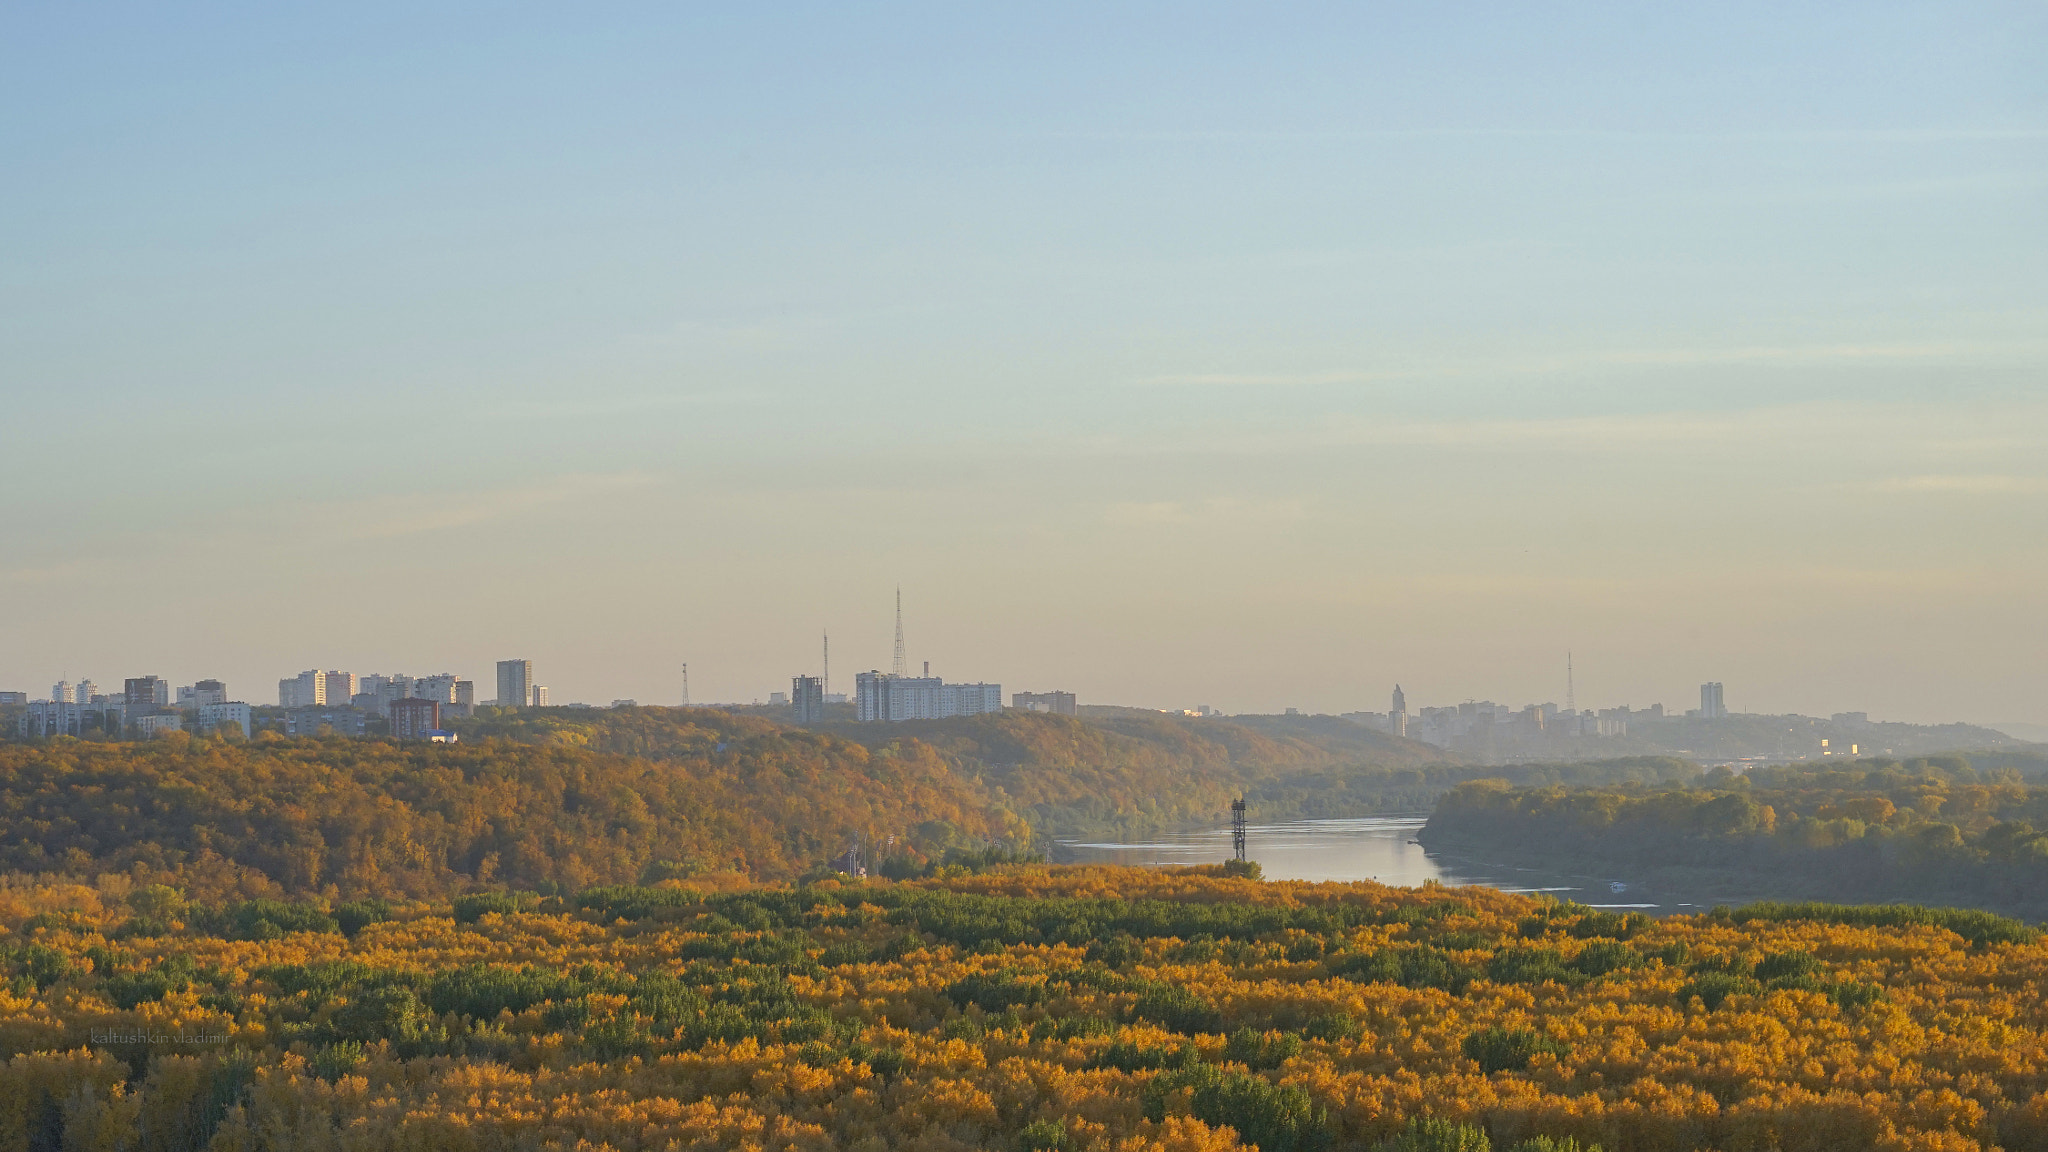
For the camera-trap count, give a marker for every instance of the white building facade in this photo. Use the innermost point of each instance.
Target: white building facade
(306, 690)
(215, 715)
(882, 698)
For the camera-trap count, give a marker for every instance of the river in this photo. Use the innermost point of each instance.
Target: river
(1381, 848)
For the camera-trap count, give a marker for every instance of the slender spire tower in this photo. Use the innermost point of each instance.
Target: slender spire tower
(1571, 695)
(686, 685)
(901, 665)
(826, 688)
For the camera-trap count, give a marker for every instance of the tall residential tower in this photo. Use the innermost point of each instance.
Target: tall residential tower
(1711, 706)
(515, 683)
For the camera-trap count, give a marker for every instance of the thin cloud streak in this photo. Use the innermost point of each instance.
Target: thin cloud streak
(1310, 136)
(1969, 485)
(1453, 368)
(1178, 512)
(390, 517)
(1770, 429)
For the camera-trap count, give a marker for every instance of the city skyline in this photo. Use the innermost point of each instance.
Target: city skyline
(1169, 356)
(1709, 695)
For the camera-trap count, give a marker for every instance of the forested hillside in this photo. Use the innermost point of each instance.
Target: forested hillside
(1132, 772)
(1127, 773)
(1079, 1010)
(728, 797)
(558, 799)
(1937, 829)
(1122, 772)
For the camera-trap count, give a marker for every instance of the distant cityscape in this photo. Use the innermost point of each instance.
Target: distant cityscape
(419, 706)
(1484, 719)
(343, 703)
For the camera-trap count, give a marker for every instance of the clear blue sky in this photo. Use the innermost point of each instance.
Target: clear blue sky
(1250, 355)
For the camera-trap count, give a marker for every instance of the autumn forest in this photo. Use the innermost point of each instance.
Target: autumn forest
(618, 933)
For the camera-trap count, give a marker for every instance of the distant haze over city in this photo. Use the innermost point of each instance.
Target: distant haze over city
(1165, 357)
(490, 685)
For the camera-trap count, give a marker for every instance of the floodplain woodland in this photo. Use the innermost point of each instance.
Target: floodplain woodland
(1011, 1005)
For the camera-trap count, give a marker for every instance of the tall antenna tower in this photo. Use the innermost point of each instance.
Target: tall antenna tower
(1571, 696)
(686, 685)
(901, 665)
(827, 687)
(1237, 828)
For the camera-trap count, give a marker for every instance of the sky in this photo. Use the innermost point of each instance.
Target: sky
(1249, 355)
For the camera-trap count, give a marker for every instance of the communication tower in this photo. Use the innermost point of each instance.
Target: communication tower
(901, 665)
(1571, 696)
(1237, 826)
(826, 687)
(686, 685)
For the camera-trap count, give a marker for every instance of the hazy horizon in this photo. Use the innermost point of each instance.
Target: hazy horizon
(1258, 358)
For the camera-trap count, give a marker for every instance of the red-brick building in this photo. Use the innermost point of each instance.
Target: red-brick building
(412, 718)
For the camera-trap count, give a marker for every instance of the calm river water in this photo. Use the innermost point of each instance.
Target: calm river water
(1378, 848)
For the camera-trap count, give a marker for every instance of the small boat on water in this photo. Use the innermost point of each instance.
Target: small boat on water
(1617, 887)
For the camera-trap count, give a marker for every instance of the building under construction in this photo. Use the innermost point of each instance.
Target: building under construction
(807, 699)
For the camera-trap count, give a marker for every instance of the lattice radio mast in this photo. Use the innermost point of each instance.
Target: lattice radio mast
(686, 685)
(1571, 697)
(827, 687)
(1237, 826)
(901, 665)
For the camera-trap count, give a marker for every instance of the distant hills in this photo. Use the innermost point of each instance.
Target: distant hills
(1748, 737)
(557, 799)
(1112, 772)
(1792, 737)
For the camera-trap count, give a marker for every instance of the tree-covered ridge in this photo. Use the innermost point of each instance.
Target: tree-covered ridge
(376, 817)
(1939, 828)
(1117, 772)
(562, 799)
(1028, 1007)
(1126, 772)
(1137, 772)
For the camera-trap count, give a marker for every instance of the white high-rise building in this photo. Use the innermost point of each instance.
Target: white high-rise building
(221, 712)
(156, 724)
(306, 690)
(340, 686)
(203, 693)
(1711, 705)
(880, 697)
(84, 691)
(375, 692)
(440, 689)
(51, 718)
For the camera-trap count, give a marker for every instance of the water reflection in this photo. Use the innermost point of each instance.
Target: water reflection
(1378, 848)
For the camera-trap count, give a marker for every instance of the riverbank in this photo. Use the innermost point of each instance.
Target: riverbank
(1685, 888)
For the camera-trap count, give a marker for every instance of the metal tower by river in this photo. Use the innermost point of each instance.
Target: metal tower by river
(1237, 826)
